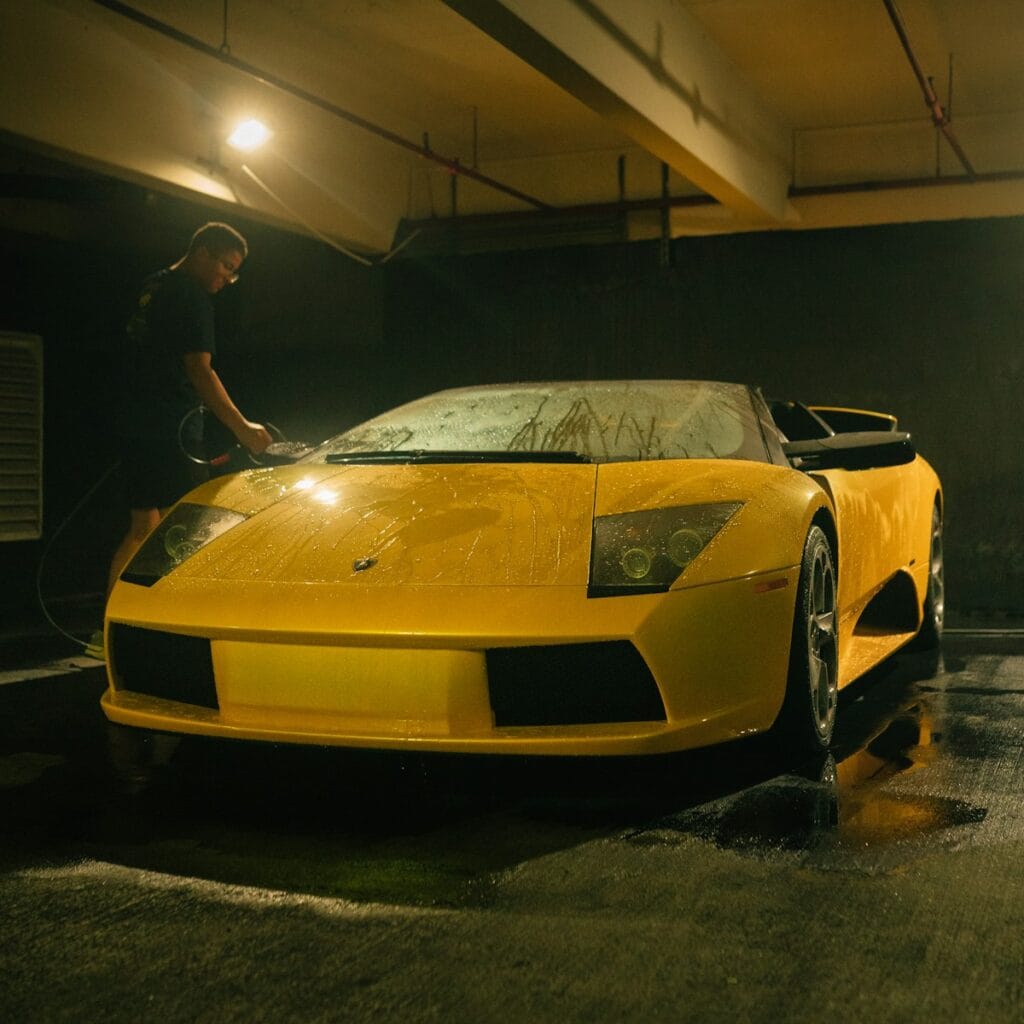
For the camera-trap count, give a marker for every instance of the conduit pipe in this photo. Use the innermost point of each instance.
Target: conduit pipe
(939, 117)
(452, 165)
(626, 206)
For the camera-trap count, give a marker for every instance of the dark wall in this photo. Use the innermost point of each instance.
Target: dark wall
(926, 321)
(297, 333)
(921, 320)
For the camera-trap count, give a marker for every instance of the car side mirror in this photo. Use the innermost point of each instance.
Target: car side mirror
(864, 449)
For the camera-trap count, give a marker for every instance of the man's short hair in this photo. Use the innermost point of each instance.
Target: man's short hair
(218, 238)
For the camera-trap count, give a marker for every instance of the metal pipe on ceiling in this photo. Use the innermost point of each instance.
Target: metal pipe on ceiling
(661, 203)
(931, 100)
(223, 55)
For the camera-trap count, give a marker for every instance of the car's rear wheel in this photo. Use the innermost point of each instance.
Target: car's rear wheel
(930, 634)
(808, 713)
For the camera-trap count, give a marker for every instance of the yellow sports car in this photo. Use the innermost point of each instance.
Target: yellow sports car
(599, 567)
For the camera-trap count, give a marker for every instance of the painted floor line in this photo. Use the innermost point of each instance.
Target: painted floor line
(225, 892)
(63, 667)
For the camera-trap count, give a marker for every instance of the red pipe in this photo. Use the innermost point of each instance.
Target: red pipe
(931, 100)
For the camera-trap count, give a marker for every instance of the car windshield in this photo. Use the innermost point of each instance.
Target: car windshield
(602, 421)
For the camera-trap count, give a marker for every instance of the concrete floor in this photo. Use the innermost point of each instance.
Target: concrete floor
(234, 882)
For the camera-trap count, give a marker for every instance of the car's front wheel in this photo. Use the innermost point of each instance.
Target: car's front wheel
(930, 634)
(808, 713)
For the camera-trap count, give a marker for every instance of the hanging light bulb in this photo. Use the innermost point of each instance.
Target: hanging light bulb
(249, 135)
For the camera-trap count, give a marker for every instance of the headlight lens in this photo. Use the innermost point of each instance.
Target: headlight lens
(645, 552)
(184, 530)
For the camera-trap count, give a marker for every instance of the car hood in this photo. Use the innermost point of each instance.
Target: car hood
(387, 525)
(485, 524)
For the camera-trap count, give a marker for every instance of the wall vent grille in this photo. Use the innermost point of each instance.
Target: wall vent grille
(21, 436)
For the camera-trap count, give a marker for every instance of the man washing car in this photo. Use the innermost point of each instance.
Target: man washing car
(166, 371)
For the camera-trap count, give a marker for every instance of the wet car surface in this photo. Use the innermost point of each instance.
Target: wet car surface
(883, 878)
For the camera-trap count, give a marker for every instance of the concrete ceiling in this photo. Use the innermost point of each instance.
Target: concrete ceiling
(746, 114)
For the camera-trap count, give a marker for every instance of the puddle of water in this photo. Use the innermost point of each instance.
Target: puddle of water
(883, 819)
(844, 805)
(786, 814)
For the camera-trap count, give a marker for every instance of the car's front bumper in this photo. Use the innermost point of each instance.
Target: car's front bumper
(414, 668)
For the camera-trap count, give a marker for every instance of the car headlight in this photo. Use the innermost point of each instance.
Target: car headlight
(182, 532)
(645, 552)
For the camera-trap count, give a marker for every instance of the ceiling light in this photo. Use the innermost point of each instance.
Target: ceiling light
(249, 135)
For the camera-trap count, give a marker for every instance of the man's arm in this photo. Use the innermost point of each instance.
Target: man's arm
(216, 398)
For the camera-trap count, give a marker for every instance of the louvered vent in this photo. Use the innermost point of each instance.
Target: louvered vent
(21, 436)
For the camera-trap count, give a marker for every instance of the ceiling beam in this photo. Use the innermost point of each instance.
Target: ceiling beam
(658, 77)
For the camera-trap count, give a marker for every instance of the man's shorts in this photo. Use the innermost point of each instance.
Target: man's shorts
(156, 472)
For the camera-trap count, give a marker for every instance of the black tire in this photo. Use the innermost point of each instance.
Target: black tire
(929, 636)
(807, 719)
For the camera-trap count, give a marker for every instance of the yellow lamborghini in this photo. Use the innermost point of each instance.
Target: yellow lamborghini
(600, 567)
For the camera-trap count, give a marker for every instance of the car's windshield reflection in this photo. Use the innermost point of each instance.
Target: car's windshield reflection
(598, 421)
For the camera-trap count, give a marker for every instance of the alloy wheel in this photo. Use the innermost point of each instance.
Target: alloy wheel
(936, 573)
(822, 646)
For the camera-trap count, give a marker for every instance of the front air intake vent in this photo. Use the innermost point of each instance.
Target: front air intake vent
(572, 684)
(166, 665)
(21, 436)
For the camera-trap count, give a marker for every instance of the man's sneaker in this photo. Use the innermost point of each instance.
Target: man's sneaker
(94, 648)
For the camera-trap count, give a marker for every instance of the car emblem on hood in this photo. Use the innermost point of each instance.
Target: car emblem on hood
(361, 564)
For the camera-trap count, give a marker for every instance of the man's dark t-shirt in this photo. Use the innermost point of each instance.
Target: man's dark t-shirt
(174, 315)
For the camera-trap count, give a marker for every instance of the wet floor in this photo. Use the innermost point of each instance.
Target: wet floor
(428, 829)
(926, 768)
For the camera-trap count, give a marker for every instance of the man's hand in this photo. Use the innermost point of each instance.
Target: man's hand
(204, 379)
(253, 436)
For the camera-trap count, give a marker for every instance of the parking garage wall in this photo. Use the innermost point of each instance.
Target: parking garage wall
(922, 320)
(297, 338)
(925, 320)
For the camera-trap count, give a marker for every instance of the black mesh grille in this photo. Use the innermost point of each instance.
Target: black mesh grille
(163, 665)
(572, 684)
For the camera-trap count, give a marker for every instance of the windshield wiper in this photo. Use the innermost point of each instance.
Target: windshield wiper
(427, 457)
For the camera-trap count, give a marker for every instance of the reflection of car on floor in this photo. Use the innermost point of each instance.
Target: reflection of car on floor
(571, 568)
